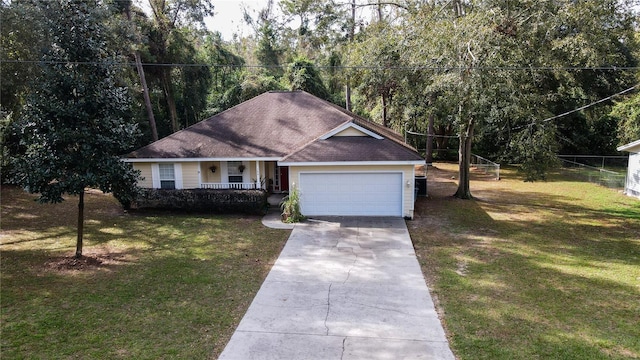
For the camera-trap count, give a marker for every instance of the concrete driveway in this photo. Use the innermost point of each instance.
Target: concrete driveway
(343, 288)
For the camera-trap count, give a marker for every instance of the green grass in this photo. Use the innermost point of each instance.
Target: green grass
(545, 270)
(163, 285)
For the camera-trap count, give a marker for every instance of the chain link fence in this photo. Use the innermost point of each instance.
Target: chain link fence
(596, 175)
(485, 165)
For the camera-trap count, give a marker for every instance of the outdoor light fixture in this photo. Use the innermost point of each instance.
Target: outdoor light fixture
(213, 168)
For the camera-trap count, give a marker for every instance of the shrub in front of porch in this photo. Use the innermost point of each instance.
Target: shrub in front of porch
(203, 200)
(290, 206)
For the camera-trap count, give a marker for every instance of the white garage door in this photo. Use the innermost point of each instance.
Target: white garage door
(367, 194)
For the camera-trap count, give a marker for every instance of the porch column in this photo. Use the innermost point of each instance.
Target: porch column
(258, 174)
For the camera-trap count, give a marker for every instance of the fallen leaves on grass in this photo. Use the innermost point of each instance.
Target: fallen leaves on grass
(87, 263)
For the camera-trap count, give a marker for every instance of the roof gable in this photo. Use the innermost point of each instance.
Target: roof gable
(630, 147)
(340, 149)
(350, 129)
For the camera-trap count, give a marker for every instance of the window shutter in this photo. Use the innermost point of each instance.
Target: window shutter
(178, 173)
(155, 176)
(199, 175)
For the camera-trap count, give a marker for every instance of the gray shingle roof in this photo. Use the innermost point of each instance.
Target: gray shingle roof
(275, 125)
(353, 148)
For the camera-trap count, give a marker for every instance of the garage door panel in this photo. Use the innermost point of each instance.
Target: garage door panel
(373, 194)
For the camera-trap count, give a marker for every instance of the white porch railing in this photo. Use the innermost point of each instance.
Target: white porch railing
(234, 186)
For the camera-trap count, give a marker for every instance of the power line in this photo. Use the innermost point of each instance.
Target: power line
(345, 67)
(592, 104)
(432, 135)
(549, 118)
(580, 108)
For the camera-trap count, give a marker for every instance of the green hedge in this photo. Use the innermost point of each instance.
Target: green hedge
(203, 200)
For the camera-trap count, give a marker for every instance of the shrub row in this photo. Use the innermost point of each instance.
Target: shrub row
(203, 200)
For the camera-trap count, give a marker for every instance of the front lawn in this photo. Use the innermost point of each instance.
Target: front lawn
(153, 285)
(545, 270)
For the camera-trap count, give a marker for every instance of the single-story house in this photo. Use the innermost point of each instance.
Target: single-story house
(341, 163)
(632, 184)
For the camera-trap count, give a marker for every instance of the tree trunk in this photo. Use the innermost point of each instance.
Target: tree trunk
(171, 103)
(80, 225)
(385, 122)
(352, 29)
(440, 140)
(443, 132)
(464, 156)
(143, 82)
(352, 32)
(430, 133)
(147, 98)
(347, 94)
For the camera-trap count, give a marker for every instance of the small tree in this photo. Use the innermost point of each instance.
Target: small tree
(267, 51)
(75, 121)
(302, 75)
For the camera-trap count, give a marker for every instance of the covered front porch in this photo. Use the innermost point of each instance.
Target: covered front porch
(244, 175)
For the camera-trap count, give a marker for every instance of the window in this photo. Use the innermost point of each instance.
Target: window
(233, 168)
(167, 176)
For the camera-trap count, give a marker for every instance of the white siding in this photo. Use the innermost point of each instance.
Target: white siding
(633, 175)
(155, 171)
(177, 168)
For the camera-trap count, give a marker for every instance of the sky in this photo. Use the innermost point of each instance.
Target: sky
(228, 16)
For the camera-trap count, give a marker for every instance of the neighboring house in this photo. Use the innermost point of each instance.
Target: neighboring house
(341, 163)
(632, 184)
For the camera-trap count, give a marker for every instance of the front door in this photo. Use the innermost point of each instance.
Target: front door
(283, 175)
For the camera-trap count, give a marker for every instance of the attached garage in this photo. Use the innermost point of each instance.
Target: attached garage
(351, 193)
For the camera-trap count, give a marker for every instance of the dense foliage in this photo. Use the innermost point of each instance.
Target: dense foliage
(484, 71)
(75, 123)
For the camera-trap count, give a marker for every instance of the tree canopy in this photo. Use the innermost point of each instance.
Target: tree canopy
(76, 120)
(487, 72)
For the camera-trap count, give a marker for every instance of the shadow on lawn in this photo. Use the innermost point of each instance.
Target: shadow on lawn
(559, 226)
(167, 285)
(530, 274)
(148, 308)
